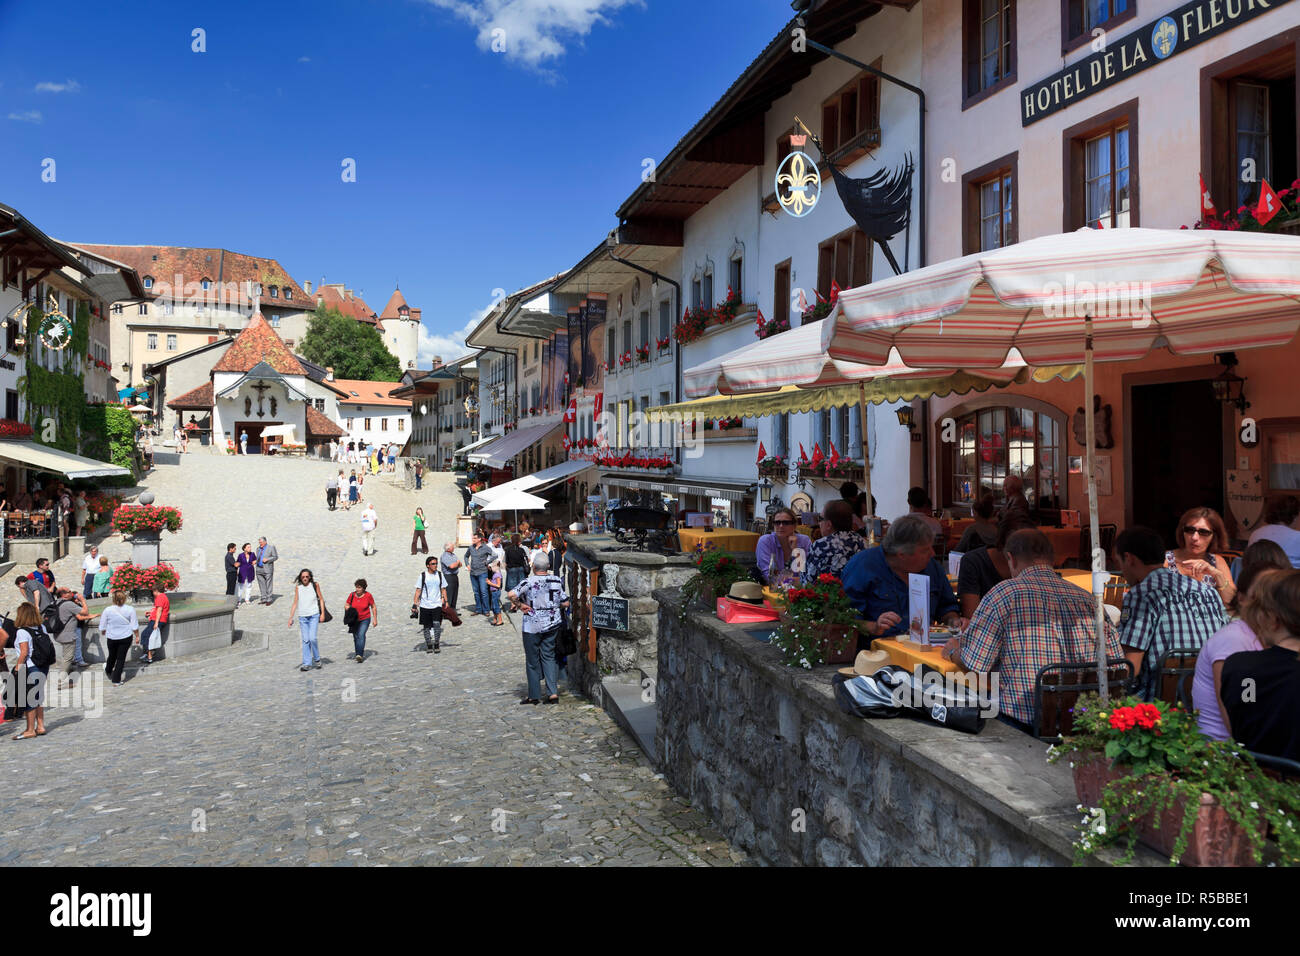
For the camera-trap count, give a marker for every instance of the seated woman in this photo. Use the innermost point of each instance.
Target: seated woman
(1260, 558)
(984, 531)
(775, 552)
(984, 568)
(1201, 537)
(1267, 720)
(1280, 527)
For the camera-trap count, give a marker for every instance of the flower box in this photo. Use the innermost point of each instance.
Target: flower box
(838, 641)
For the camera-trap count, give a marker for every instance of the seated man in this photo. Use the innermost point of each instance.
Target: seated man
(919, 504)
(1016, 502)
(876, 582)
(1163, 610)
(1032, 619)
(830, 554)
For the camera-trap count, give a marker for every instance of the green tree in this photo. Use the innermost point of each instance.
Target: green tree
(353, 349)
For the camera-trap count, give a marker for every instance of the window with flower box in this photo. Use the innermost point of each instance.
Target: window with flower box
(992, 441)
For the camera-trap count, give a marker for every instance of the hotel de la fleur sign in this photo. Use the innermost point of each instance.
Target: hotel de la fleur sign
(1147, 46)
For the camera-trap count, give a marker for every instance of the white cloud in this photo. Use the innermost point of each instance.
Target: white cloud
(31, 116)
(448, 347)
(304, 59)
(533, 31)
(71, 86)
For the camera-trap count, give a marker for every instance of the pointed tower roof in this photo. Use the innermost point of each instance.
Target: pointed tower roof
(397, 301)
(258, 343)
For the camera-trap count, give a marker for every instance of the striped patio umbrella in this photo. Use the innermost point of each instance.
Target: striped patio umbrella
(1080, 297)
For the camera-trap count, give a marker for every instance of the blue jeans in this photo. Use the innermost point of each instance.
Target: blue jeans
(495, 600)
(482, 602)
(88, 588)
(310, 649)
(359, 636)
(514, 576)
(148, 632)
(539, 660)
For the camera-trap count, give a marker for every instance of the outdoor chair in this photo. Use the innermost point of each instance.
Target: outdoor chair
(1058, 686)
(1115, 590)
(1174, 672)
(1282, 767)
(1107, 533)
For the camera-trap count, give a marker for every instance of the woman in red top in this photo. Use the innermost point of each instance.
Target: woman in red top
(158, 619)
(363, 603)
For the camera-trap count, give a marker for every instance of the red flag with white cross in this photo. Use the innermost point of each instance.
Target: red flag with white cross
(835, 455)
(1207, 204)
(1269, 204)
(762, 452)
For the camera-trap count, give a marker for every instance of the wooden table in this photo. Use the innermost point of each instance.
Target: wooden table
(1065, 541)
(908, 654)
(1083, 579)
(724, 539)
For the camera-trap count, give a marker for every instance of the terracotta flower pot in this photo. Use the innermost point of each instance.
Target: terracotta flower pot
(839, 641)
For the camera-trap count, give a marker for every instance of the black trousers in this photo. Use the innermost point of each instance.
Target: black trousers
(453, 588)
(117, 659)
(230, 581)
(331, 499)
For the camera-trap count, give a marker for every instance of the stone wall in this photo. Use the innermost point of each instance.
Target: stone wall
(765, 750)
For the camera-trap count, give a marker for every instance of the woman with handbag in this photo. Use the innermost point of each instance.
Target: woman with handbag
(155, 632)
(309, 607)
(360, 616)
(427, 604)
(542, 599)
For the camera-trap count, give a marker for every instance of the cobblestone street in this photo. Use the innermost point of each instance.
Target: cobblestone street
(236, 757)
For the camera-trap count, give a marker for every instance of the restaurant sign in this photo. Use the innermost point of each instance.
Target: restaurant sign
(1185, 27)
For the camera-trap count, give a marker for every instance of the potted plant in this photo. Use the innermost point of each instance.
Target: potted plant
(817, 625)
(141, 580)
(135, 519)
(773, 466)
(718, 571)
(764, 328)
(643, 353)
(1145, 773)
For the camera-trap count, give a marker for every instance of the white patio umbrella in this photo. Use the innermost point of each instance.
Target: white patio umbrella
(513, 500)
(1090, 295)
(139, 408)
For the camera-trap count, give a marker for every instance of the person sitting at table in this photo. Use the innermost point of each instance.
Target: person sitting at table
(919, 504)
(876, 580)
(1267, 720)
(832, 551)
(23, 501)
(1016, 502)
(1280, 527)
(1201, 536)
(983, 531)
(985, 568)
(1163, 610)
(1238, 635)
(1032, 619)
(849, 492)
(775, 551)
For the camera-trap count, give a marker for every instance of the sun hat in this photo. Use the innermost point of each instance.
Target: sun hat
(866, 664)
(749, 592)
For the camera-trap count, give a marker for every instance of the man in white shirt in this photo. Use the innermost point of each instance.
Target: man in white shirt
(369, 522)
(89, 568)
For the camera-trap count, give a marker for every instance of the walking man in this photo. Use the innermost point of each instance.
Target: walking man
(419, 475)
(232, 568)
(266, 558)
(243, 442)
(430, 596)
(332, 491)
(479, 556)
(369, 522)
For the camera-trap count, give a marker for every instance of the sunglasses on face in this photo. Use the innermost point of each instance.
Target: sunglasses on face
(1205, 532)
(783, 521)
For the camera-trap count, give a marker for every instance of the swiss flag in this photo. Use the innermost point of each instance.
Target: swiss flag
(835, 455)
(600, 403)
(817, 457)
(567, 443)
(762, 452)
(571, 413)
(803, 455)
(1207, 204)
(820, 297)
(1269, 205)
(835, 291)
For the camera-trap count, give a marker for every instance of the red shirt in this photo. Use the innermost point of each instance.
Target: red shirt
(362, 604)
(162, 606)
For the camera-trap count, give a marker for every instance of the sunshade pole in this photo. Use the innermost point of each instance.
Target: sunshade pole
(1098, 580)
(866, 461)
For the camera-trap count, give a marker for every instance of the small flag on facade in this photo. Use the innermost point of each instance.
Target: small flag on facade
(1269, 205)
(835, 291)
(1207, 204)
(803, 455)
(817, 457)
(835, 455)
(762, 452)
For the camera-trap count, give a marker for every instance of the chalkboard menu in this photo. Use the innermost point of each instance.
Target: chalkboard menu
(609, 613)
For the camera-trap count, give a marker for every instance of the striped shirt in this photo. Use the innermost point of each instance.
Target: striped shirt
(1168, 611)
(1024, 624)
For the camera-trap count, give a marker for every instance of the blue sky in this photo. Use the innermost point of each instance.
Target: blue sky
(474, 169)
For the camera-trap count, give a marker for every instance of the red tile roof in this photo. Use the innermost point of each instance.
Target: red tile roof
(368, 393)
(180, 271)
(341, 299)
(396, 302)
(321, 427)
(200, 397)
(259, 343)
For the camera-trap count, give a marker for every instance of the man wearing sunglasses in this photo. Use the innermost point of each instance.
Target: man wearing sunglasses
(1163, 609)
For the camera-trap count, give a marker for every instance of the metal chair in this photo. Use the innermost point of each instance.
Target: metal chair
(1058, 686)
(1173, 677)
(1284, 767)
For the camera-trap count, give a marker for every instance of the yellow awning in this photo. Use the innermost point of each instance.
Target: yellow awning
(792, 398)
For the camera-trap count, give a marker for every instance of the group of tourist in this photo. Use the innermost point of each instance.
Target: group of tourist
(71, 508)
(376, 458)
(249, 565)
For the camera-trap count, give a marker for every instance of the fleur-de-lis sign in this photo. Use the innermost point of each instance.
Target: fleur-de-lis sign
(798, 184)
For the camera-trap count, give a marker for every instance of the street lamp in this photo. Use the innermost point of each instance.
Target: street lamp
(1229, 388)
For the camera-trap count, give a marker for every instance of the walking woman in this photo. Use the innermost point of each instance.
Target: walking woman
(430, 596)
(418, 533)
(119, 626)
(541, 597)
(363, 603)
(33, 677)
(309, 607)
(354, 490)
(516, 562)
(246, 565)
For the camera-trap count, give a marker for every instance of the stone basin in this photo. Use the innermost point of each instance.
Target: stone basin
(199, 622)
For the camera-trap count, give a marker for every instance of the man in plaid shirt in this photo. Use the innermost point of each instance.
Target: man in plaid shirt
(1032, 619)
(1163, 610)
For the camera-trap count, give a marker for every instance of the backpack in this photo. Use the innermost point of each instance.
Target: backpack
(50, 616)
(42, 655)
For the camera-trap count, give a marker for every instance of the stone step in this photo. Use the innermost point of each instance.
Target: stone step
(623, 701)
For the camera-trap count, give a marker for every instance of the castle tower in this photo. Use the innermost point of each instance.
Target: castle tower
(400, 327)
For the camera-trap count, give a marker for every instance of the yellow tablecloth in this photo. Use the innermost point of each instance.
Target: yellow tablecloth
(908, 654)
(1114, 595)
(724, 539)
(1065, 541)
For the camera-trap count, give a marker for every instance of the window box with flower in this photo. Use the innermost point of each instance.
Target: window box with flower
(662, 346)
(817, 625)
(642, 353)
(1246, 218)
(763, 328)
(718, 571)
(773, 466)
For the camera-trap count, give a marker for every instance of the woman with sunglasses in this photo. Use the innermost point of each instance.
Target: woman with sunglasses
(1201, 539)
(776, 550)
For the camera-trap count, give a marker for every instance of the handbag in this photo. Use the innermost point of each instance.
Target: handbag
(155, 639)
(325, 616)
